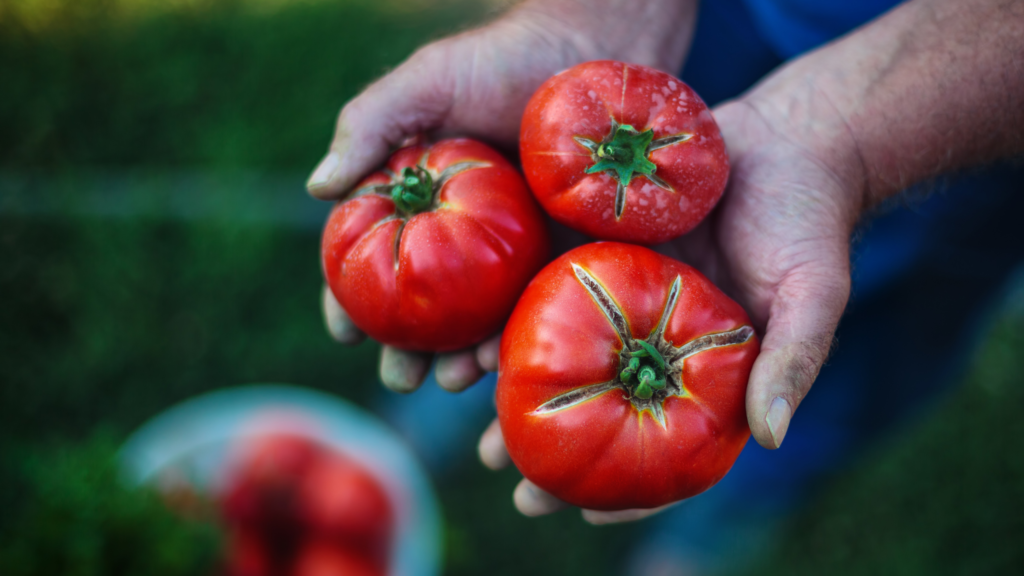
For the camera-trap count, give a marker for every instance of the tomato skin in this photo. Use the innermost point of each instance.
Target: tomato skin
(322, 558)
(604, 453)
(247, 554)
(288, 491)
(341, 502)
(263, 490)
(582, 102)
(460, 266)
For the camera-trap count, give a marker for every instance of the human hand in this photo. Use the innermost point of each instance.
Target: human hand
(778, 243)
(928, 88)
(477, 84)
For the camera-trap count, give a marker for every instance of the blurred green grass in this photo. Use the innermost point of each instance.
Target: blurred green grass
(111, 314)
(212, 83)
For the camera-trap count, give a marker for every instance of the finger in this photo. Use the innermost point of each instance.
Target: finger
(339, 324)
(600, 517)
(413, 98)
(531, 501)
(492, 449)
(487, 353)
(802, 320)
(458, 371)
(403, 371)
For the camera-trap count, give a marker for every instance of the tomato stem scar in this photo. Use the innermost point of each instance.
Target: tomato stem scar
(650, 369)
(415, 191)
(624, 152)
(646, 371)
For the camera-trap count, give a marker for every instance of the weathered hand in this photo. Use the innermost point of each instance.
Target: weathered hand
(778, 243)
(477, 84)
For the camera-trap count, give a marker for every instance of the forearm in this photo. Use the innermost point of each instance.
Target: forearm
(930, 87)
(651, 32)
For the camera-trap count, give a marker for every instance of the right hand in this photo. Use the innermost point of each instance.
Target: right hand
(475, 84)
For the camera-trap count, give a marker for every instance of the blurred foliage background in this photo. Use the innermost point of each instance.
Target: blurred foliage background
(156, 243)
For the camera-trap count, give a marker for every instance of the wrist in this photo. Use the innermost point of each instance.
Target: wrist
(800, 108)
(926, 89)
(654, 33)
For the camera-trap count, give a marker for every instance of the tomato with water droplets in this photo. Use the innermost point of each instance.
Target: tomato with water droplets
(622, 152)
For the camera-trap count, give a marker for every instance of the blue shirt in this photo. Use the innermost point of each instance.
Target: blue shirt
(792, 27)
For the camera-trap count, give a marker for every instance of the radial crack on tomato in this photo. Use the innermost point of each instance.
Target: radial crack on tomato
(457, 168)
(605, 302)
(666, 313)
(693, 347)
(378, 189)
(398, 242)
(598, 406)
(660, 183)
(650, 370)
(660, 143)
(574, 397)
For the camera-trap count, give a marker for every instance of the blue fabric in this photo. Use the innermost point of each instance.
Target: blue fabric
(793, 27)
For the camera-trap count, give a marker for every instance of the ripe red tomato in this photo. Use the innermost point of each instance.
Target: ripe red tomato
(288, 491)
(341, 502)
(623, 152)
(263, 490)
(432, 252)
(247, 554)
(319, 558)
(622, 379)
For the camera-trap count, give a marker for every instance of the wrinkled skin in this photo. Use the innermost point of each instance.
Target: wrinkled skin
(610, 448)
(574, 112)
(446, 277)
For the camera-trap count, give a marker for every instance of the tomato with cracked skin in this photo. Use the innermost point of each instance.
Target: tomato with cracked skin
(623, 152)
(622, 379)
(432, 252)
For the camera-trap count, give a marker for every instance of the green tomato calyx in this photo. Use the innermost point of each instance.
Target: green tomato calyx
(624, 153)
(415, 192)
(645, 371)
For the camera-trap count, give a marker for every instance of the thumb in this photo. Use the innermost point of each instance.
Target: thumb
(414, 98)
(803, 317)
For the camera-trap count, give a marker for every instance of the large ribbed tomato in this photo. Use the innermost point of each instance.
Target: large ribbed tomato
(622, 379)
(432, 252)
(622, 152)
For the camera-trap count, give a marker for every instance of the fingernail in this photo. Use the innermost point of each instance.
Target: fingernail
(324, 173)
(779, 414)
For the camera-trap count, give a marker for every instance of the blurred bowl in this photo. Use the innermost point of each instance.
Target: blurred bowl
(192, 446)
